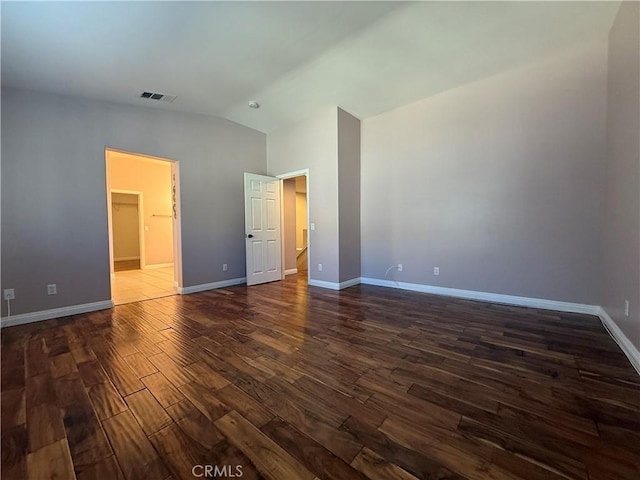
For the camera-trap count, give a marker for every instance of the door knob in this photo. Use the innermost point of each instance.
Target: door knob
(249, 236)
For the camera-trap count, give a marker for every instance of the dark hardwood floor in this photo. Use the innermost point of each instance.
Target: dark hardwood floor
(282, 381)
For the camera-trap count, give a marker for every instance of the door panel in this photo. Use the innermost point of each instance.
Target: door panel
(256, 214)
(257, 265)
(262, 225)
(273, 219)
(273, 256)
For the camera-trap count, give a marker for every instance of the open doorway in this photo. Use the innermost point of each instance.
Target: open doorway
(295, 226)
(144, 233)
(127, 220)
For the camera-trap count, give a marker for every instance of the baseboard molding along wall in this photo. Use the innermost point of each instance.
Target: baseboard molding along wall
(621, 339)
(488, 297)
(212, 286)
(23, 318)
(627, 347)
(291, 271)
(151, 266)
(334, 285)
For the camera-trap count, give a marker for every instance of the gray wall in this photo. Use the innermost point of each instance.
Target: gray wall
(313, 144)
(349, 195)
(54, 204)
(499, 183)
(622, 224)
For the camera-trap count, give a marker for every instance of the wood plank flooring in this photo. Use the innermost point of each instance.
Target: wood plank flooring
(284, 381)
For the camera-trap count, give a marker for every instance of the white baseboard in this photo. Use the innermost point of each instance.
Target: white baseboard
(291, 271)
(334, 285)
(488, 297)
(350, 283)
(322, 284)
(156, 265)
(628, 348)
(211, 286)
(619, 337)
(122, 259)
(54, 313)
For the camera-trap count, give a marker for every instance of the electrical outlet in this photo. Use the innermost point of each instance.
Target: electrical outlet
(225, 267)
(9, 294)
(313, 226)
(52, 289)
(399, 267)
(319, 267)
(436, 270)
(626, 308)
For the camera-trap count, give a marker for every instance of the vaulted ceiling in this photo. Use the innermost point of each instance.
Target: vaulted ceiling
(291, 57)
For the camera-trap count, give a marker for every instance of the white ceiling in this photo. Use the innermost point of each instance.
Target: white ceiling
(291, 57)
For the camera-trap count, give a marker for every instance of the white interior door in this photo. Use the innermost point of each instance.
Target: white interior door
(262, 228)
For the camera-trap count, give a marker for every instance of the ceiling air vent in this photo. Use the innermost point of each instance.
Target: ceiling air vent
(158, 96)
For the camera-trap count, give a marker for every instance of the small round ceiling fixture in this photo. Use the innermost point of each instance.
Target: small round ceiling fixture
(254, 105)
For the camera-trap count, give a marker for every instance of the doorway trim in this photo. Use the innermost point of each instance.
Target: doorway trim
(282, 177)
(176, 220)
(141, 241)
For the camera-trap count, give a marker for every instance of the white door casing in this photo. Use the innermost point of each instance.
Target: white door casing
(262, 228)
(177, 231)
(177, 226)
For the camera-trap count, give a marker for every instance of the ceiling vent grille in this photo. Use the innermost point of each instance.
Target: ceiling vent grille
(161, 97)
